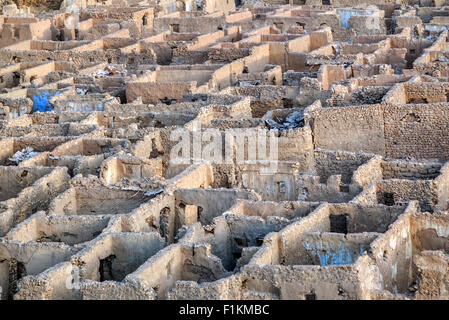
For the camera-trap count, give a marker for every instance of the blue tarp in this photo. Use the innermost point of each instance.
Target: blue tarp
(41, 102)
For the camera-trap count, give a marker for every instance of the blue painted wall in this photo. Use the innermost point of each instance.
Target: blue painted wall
(345, 15)
(333, 253)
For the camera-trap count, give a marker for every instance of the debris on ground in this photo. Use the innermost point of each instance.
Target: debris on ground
(23, 155)
(292, 121)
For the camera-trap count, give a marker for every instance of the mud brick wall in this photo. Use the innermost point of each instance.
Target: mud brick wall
(296, 145)
(367, 173)
(443, 187)
(350, 129)
(410, 171)
(430, 68)
(395, 249)
(430, 92)
(405, 190)
(328, 163)
(265, 98)
(433, 265)
(227, 54)
(419, 131)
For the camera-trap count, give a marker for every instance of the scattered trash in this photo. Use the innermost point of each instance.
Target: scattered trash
(131, 188)
(199, 4)
(442, 58)
(249, 83)
(303, 196)
(100, 74)
(23, 155)
(81, 91)
(111, 70)
(292, 121)
(154, 192)
(255, 3)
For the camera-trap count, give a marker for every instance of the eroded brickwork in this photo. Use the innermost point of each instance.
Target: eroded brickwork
(224, 150)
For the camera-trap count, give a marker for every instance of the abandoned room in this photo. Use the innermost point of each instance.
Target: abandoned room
(224, 150)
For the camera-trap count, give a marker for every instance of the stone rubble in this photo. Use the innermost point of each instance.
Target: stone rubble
(123, 126)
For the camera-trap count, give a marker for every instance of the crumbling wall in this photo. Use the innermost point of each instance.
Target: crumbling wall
(350, 129)
(34, 198)
(416, 130)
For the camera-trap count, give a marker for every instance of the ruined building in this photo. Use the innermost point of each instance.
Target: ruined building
(180, 149)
